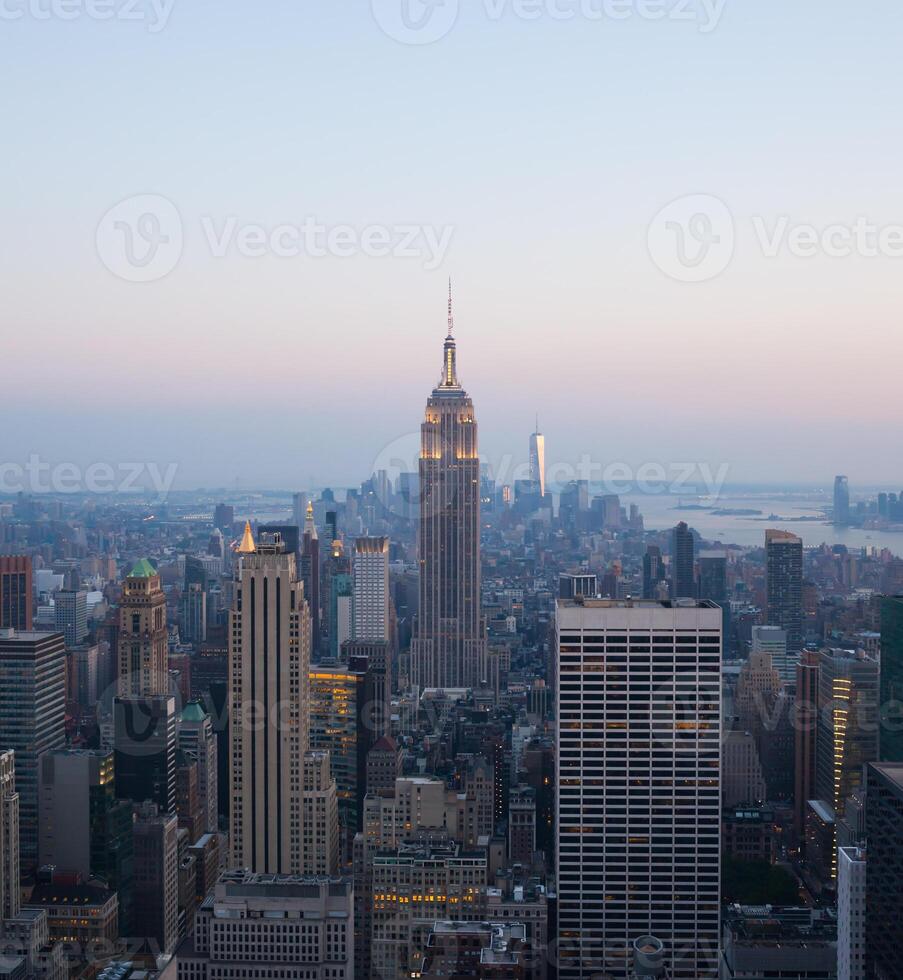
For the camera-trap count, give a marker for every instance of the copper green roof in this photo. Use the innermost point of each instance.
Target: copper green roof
(143, 569)
(193, 711)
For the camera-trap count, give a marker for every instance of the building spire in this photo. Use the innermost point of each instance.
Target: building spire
(247, 546)
(451, 318)
(309, 526)
(449, 366)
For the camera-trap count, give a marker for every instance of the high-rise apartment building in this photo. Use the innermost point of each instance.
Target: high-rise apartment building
(269, 659)
(538, 459)
(9, 837)
(32, 718)
(449, 645)
(683, 563)
(15, 592)
(784, 584)
(639, 795)
(288, 926)
(142, 634)
(70, 610)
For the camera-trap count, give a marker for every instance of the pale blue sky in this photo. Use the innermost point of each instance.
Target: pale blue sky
(546, 146)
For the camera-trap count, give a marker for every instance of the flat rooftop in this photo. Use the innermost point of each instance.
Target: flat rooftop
(589, 602)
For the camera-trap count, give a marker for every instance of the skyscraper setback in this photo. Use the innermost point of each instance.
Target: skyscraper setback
(449, 645)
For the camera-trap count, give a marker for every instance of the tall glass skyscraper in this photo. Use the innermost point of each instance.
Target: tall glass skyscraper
(449, 645)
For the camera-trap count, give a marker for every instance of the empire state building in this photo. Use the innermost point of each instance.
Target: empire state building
(449, 645)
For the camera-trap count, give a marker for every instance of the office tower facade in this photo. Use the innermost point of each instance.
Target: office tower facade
(15, 592)
(70, 609)
(197, 740)
(287, 926)
(538, 459)
(841, 500)
(32, 718)
(805, 738)
(847, 734)
(884, 870)
(784, 585)
(639, 786)
(683, 563)
(371, 603)
(342, 724)
(193, 614)
(9, 837)
(321, 817)
(142, 634)
(156, 883)
(419, 884)
(144, 750)
(713, 576)
(341, 599)
(653, 571)
(449, 645)
(269, 659)
(773, 641)
(310, 575)
(891, 736)
(851, 884)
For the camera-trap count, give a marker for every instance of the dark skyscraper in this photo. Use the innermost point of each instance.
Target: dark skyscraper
(144, 742)
(15, 592)
(891, 737)
(884, 870)
(841, 500)
(449, 646)
(32, 718)
(683, 577)
(784, 572)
